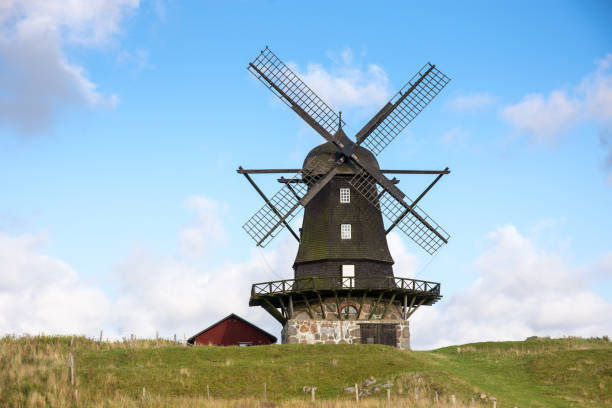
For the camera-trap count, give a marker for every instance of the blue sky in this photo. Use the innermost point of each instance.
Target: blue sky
(122, 124)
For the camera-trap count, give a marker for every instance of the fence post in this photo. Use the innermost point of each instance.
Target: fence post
(454, 401)
(356, 393)
(494, 404)
(100, 341)
(144, 392)
(416, 394)
(436, 397)
(207, 392)
(388, 394)
(265, 392)
(312, 396)
(71, 368)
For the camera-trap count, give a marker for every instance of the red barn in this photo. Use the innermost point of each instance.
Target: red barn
(232, 330)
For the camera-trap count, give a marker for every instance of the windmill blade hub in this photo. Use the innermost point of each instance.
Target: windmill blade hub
(324, 157)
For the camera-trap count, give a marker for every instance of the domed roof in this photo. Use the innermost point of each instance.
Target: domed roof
(323, 157)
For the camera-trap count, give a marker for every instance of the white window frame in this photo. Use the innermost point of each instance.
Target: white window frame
(345, 195)
(345, 231)
(348, 271)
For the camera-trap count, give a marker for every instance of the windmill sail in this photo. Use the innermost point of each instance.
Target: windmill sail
(409, 218)
(285, 84)
(282, 208)
(404, 107)
(379, 191)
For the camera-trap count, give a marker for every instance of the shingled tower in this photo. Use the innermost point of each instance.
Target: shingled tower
(344, 289)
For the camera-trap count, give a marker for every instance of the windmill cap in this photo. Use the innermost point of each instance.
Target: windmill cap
(322, 158)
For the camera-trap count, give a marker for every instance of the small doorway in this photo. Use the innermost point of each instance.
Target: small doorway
(378, 333)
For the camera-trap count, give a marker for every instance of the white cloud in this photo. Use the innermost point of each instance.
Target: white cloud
(347, 85)
(471, 102)
(83, 21)
(152, 292)
(545, 118)
(597, 91)
(406, 263)
(597, 88)
(42, 294)
(172, 295)
(205, 231)
(521, 291)
(36, 78)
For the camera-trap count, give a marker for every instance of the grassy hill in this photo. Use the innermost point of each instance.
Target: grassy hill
(568, 372)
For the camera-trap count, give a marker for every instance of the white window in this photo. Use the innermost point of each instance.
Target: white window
(345, 231)
(348, 276)
(349, 310)
(345, 195)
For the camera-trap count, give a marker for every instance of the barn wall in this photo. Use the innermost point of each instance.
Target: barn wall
(232, 332)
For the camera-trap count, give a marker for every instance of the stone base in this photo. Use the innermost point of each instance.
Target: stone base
(314, 331)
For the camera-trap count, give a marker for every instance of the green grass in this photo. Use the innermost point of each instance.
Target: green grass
(569, 372)
(534, 373)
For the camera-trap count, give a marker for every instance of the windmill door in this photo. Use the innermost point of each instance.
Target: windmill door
(378, 333)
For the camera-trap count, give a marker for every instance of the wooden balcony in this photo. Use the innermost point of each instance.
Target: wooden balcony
(314, 284)
(282, 293)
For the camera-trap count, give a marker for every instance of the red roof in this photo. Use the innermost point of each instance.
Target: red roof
(232, 330)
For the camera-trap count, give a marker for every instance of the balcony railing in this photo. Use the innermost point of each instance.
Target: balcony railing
(340, 283)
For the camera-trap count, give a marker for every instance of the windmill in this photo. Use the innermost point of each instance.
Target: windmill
(344, 289)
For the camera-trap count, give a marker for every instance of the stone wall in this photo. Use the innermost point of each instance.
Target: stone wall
(337, 332)
(344, 328)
